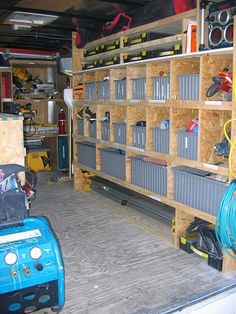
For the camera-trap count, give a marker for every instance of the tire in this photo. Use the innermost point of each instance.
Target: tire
(212, 90)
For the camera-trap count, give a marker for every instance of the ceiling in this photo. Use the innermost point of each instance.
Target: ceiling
(87, 15)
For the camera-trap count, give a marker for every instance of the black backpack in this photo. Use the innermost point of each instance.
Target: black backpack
(15, 197)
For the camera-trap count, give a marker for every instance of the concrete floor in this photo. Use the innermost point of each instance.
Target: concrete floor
(118, 259)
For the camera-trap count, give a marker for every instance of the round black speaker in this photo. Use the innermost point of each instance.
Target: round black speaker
(224, 17)
(229, 33)
(215, 36)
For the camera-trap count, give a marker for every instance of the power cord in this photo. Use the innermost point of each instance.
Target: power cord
(232, 147)
(225, 228)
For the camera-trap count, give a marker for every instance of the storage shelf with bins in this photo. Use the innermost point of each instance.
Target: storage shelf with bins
(147, 132)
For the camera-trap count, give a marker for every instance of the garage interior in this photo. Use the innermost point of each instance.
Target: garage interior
(124, 112)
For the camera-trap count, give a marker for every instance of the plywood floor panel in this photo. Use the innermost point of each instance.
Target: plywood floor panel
(120, 260)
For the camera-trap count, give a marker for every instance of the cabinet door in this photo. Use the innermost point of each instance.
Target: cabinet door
(63, 161)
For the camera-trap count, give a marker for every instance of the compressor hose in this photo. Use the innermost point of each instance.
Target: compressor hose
(225, 228)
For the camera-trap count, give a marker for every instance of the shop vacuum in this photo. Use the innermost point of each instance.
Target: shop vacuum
(31, 271)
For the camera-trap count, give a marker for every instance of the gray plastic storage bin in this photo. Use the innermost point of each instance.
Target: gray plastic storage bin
(192, 188)
(189, 86)
(139, 136)
(187, 145)
(139, 88)
(161, 87)
(80, 126)
(87, 154)
(161, 140)
(90, 89)
(120, 89)
(105, 127)
(148, 175)
(93, 129)
(104, 90)
(113, 162)
(120, 133)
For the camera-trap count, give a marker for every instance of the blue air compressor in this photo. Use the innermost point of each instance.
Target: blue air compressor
(31, 266)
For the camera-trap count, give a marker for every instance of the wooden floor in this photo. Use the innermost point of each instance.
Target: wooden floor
(120, 260)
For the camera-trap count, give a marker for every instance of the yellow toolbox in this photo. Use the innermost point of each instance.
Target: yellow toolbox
(38, 159)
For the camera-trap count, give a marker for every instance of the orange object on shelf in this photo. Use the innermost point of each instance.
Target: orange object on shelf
(191, 44)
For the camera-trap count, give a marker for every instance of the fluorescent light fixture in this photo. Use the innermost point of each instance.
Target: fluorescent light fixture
(18, 27)
(30, 18)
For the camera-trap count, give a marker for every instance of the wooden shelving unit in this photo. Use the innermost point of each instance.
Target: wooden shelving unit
(46, 71)
(212, 114)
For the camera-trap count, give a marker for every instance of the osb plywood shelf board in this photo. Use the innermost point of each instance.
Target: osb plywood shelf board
(12, 141)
